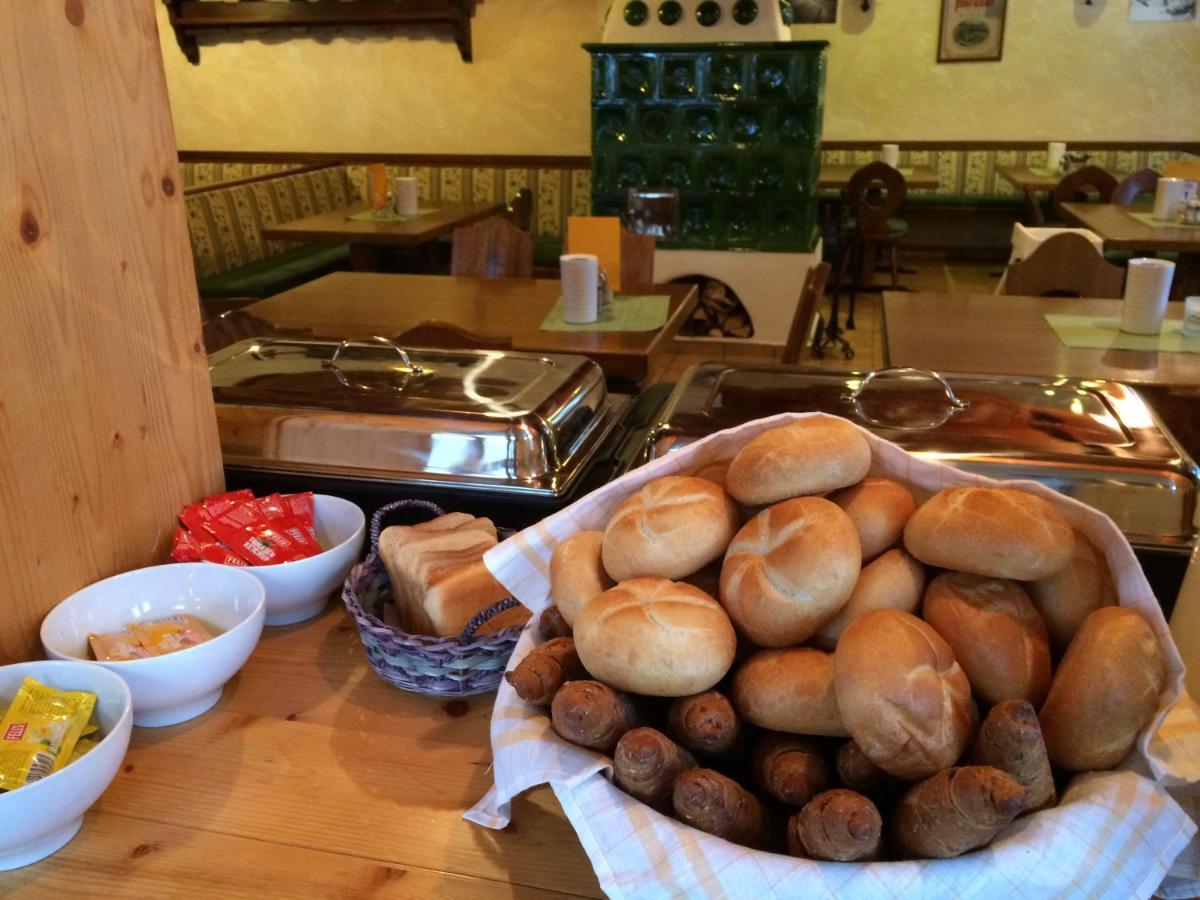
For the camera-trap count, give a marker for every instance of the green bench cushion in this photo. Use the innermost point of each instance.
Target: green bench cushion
(265, 277)
(965, 201)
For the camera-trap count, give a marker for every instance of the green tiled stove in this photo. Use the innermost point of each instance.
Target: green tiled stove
(712, 99)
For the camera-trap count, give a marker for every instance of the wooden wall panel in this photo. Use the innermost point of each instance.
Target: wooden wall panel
(106, 416)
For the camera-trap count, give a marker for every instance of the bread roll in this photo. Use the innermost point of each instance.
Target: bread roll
(955, 811)
(1010, 740)
(718, 805)
(901, 695)
(789, 769)
(858, 773)
(592, 715)
(997, 532)
(672, 528)
(543, 671)
(790, 570)
(713, 471)
(655, 637)
(879, 510)
(705, 723)
(1066, 598)
(838, 825)
(997, 636)
(812, 456)
(645, 765)
(576, 573)
(789, 690)
(893, 581)
(1105, 691)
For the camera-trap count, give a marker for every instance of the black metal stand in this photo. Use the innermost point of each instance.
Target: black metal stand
(830, 335)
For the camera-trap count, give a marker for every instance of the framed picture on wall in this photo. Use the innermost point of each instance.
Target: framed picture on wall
(971, 30)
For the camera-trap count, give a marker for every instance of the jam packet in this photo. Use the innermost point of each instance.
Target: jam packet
(169, 635)
(119, 647)
(39, 732)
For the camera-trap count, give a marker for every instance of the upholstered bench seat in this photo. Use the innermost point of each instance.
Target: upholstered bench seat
(265, 277)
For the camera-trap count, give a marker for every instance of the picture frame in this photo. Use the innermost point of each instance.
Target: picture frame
(971, 31)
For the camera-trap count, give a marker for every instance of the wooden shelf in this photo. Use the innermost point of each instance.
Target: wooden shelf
(192, 18)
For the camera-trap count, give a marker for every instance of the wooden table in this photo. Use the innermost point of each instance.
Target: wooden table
(313, 778)
(1031, 183)
(353, 304)
(836, 177)
(1121, 231)
(366, 238)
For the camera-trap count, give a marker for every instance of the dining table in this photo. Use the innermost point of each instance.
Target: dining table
(313, 777)
(836, 177)
(351, 305)
(368, 232)
(1032, 182)
(1134, 229)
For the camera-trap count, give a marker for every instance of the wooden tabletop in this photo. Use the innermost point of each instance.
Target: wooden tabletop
(990, 334)
(334, 226)
(357, 304)
(1030, 179)
(838, 176)
(312, 778)
(1121, 231)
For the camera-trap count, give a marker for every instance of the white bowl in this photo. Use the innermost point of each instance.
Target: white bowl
(182, 685)
(41, 818)
(300, 590)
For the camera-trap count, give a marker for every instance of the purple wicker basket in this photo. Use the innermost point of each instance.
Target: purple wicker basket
(454, 666)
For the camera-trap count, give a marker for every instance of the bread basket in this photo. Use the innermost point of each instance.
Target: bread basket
(442, 666)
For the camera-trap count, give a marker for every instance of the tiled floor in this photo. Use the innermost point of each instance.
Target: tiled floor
(933, 273)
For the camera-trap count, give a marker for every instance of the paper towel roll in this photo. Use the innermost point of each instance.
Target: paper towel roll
(1055, 152)
(1147, 290)
(407, 196)
(891, 155)
(580, 280)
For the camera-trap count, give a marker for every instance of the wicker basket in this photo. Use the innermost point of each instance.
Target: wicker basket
(423, 663)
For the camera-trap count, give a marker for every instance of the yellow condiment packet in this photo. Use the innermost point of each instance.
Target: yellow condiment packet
(39, 732)
(116, 647)
(170, 634)
(82, 747)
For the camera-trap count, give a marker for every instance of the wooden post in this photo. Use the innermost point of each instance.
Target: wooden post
(106, 415)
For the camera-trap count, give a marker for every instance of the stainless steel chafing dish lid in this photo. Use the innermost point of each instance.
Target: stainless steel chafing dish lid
(492, 420)
(1096, 441)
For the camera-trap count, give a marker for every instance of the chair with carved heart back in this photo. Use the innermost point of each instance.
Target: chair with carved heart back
(1066, 265)
(1141, 182)
(1076, 186)
(874, 194)
(493, 248)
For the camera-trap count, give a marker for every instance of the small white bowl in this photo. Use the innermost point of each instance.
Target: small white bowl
(41, 818)
(300, 590)
(179, 686)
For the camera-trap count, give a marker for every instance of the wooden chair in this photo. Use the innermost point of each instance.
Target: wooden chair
(1143, 181)
(448, 336)
(637, 258)
(1065, 266)
(874, 195)
(493, 248)
(1075, 186)
(810, 296)
(520, 209)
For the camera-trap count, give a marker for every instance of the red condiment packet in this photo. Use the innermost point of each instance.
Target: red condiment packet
(253, 537)
(184, 547)
(301, 506)
(277, 509)
(218, 553)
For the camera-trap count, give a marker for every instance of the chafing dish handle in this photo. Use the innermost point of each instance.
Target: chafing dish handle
(405, 360)
(954, 405)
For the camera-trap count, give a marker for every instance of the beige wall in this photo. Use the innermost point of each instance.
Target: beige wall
(1069, 72)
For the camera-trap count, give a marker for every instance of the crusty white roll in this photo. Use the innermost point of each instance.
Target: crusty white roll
(811, 456)
(996, 634)
(788, 690)
(902, 696)
(656, 637)
(998, 532)
(790, 570)
(671, 528)
(713, 471)
(893, 581)
(879, 510)
(1068, 597)
(576, 573)
(1105, 691)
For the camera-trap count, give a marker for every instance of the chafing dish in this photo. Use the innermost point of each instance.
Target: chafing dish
(450, 425)
(1096, 441)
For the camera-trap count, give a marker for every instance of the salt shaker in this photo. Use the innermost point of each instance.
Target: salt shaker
(1191, 212)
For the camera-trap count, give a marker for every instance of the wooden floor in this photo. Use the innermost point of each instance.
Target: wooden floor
(933, 273)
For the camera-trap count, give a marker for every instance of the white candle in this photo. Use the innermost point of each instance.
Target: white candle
(580, 280)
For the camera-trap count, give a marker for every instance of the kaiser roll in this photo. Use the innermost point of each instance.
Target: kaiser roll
(998, 532)
(790, 570)
(1104, 692)
(576, 573)
(1067, 597)
(811, 456)
(879, 509)
(893, 581)
(789, 690)
(655, 637)
(995, 633)
(671, 528)
(902, 696)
